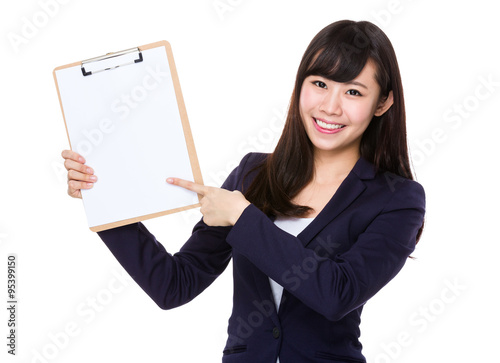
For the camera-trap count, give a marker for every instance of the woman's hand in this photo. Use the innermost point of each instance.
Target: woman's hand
(80, 176)
(219, 207)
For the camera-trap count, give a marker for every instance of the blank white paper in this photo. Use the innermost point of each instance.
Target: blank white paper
(126, 123)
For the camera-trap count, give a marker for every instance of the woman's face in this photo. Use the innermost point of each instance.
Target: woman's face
(335, 115)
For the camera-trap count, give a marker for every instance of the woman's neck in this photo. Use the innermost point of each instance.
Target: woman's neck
(330, 167)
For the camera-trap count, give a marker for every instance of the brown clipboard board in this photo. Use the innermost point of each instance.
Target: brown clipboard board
(137, 56)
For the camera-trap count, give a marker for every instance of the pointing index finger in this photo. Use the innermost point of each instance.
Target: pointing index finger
(189, 185)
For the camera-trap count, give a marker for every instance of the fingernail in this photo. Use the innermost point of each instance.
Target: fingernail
(93, 178)
(90, 171)
(170, 180)
(90, 185)
(81, 160)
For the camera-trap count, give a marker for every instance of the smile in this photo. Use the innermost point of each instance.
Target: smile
(327, 128)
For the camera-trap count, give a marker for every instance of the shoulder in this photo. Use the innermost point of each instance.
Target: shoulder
(248, 164)
(404, 192)
(401, 192)
(390, 187)
(393, 182)
(253, 159)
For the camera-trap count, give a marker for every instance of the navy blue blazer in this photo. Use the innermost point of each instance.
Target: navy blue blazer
(356, 245)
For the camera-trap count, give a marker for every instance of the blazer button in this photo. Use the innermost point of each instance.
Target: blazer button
(276, 333)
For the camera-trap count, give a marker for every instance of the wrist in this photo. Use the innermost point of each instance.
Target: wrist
(241, 207)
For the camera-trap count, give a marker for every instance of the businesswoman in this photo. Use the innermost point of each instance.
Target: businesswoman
(314, 228)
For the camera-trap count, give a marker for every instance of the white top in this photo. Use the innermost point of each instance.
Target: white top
(293, 226)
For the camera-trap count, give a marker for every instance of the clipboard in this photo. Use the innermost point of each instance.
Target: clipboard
(124, 112)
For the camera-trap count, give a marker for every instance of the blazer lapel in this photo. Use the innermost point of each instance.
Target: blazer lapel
(349, 190)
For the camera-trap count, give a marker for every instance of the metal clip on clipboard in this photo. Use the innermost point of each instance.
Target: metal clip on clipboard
(110, 56)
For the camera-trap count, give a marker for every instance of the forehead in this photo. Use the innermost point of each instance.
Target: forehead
(368, 73)
(337, 65)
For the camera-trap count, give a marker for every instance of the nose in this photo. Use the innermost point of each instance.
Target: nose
(331, 103)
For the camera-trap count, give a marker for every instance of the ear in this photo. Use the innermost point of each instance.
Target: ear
(384, 104)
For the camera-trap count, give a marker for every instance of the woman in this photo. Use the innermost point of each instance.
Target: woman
(315, 228)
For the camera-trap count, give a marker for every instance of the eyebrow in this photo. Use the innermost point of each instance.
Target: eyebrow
(356, 83)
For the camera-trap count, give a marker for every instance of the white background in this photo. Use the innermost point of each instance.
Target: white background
(237, 66)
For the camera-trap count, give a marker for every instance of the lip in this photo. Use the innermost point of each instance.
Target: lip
(326, 131)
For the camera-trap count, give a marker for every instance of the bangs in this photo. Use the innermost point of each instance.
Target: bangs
(341, 57)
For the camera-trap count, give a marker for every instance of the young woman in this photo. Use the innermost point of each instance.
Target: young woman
(315, 228)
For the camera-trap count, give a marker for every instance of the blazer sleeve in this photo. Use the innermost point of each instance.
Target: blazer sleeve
(334, 286)
(173, 280)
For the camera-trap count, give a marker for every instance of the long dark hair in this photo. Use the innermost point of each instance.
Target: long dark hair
(338, 52)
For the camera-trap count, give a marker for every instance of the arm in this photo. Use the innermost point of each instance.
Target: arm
(337, 285)
(170, 280)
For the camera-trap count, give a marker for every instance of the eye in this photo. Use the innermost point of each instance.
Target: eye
(320, 84)
(353, 92)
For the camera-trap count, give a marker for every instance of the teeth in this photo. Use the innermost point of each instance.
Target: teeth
(328, 126)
